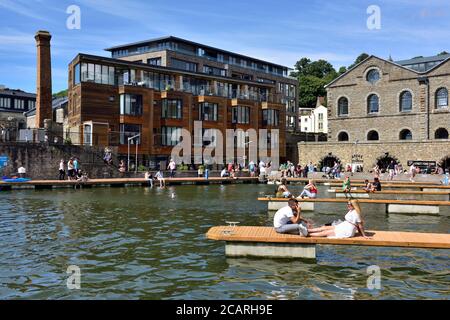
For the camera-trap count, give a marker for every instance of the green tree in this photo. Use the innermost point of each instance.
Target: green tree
(342, 70)
(443, 53)
(60, 94)
(311, 87)
(361, 58)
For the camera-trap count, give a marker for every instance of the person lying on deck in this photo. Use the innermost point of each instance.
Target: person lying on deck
(347, 229)
(289, 220)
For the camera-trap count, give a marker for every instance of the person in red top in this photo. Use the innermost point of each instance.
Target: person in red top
(310, 190)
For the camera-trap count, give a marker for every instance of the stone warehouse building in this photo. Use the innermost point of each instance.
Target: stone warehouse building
(154, 87)
(382, 110)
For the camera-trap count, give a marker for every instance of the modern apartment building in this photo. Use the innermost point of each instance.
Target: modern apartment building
(13, 105)
(154, 87)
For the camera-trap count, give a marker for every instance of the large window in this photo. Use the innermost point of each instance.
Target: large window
(240, 115)
(5, 103)
(441, 133)
(208, 111)
(128, 131)
(171, 136)
(214, 71)
(154, 61)
(183, 65)
(373, 76)
(31, 104)
(405, 101)
(442, 98)
(76, 76)
(172, 109)
(94, 73)
(131, 104)
(343, 106)
(373, 105)
(405, 135)
(19, 104)
(373, 136)
(270, 117)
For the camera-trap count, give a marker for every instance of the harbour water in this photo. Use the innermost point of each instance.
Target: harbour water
(142, 243)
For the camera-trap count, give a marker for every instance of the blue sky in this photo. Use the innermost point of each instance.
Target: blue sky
(280, 31)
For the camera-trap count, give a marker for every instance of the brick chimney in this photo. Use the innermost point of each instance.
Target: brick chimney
(44, 78)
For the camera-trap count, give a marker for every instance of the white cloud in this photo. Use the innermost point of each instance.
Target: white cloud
(22, 8)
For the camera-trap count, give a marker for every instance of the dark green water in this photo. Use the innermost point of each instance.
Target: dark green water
(140, 243)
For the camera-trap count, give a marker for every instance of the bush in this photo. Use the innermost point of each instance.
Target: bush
(142, 168)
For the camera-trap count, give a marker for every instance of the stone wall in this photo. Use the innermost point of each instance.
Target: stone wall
(371, 151)
(42, 160)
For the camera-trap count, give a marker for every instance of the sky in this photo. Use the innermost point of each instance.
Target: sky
(279, 31)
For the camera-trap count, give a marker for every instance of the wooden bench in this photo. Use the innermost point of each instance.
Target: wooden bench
(392, 205)
(265, 242)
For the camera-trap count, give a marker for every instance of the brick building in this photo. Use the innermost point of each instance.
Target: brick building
(154, 87)
(382, 110)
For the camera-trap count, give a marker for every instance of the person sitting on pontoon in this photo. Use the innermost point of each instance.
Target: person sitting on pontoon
(289, 220)
(159, 176)
(310, 190)
(353, 222)
(368, 186)
(282, 190)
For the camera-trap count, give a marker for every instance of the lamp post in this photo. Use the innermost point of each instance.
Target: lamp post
(129, 140)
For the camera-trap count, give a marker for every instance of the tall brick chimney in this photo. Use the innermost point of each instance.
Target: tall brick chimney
(44, 78)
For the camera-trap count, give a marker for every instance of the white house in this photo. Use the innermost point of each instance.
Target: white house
(315, 120)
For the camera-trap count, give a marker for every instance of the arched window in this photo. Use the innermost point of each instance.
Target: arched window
(373, 105)
(441, 98)
(343, 136)
(441, 133)
(405, 135)
(405, 101)
(373, 136)
(373, 76)
(343, 106)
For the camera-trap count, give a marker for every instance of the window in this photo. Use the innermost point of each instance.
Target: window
(343, 136)
(172, 109)
(441, 133)
(19, 104)
(208, 111)
(214, 71)
(442, 98)
(343, 106)
(87, 134)
(405, 101)
(76, 76)
(171, 136)
(240, 115)
(373, 76)
(373, 136)
(405, 135)
(31, 105)
(5, 103)
(270, 117)
(373, 104)
(95, 73)
(154, 61)
(320, 116)
(128, 131)
(131, 104)
(183, 65)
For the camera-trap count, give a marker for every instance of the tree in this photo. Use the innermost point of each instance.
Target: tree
(311, 87)
(60, 94)
(361, 58)
(443, 53)
(342, 70)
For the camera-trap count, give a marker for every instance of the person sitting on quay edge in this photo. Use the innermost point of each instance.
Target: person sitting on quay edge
(149, 178)
(353, 222)
(376, 185)
(159, 176)
(224, 173)
(368, 186)
(289, 220)
(122, 168)
(310, 190)
(282, 190)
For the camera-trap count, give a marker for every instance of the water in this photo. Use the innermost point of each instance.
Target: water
(141, 243)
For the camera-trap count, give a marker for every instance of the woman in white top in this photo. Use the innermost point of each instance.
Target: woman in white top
(347, 229)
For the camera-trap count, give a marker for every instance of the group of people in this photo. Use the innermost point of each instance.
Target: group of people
(289, 220)
(74, 172)
(310, 190)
